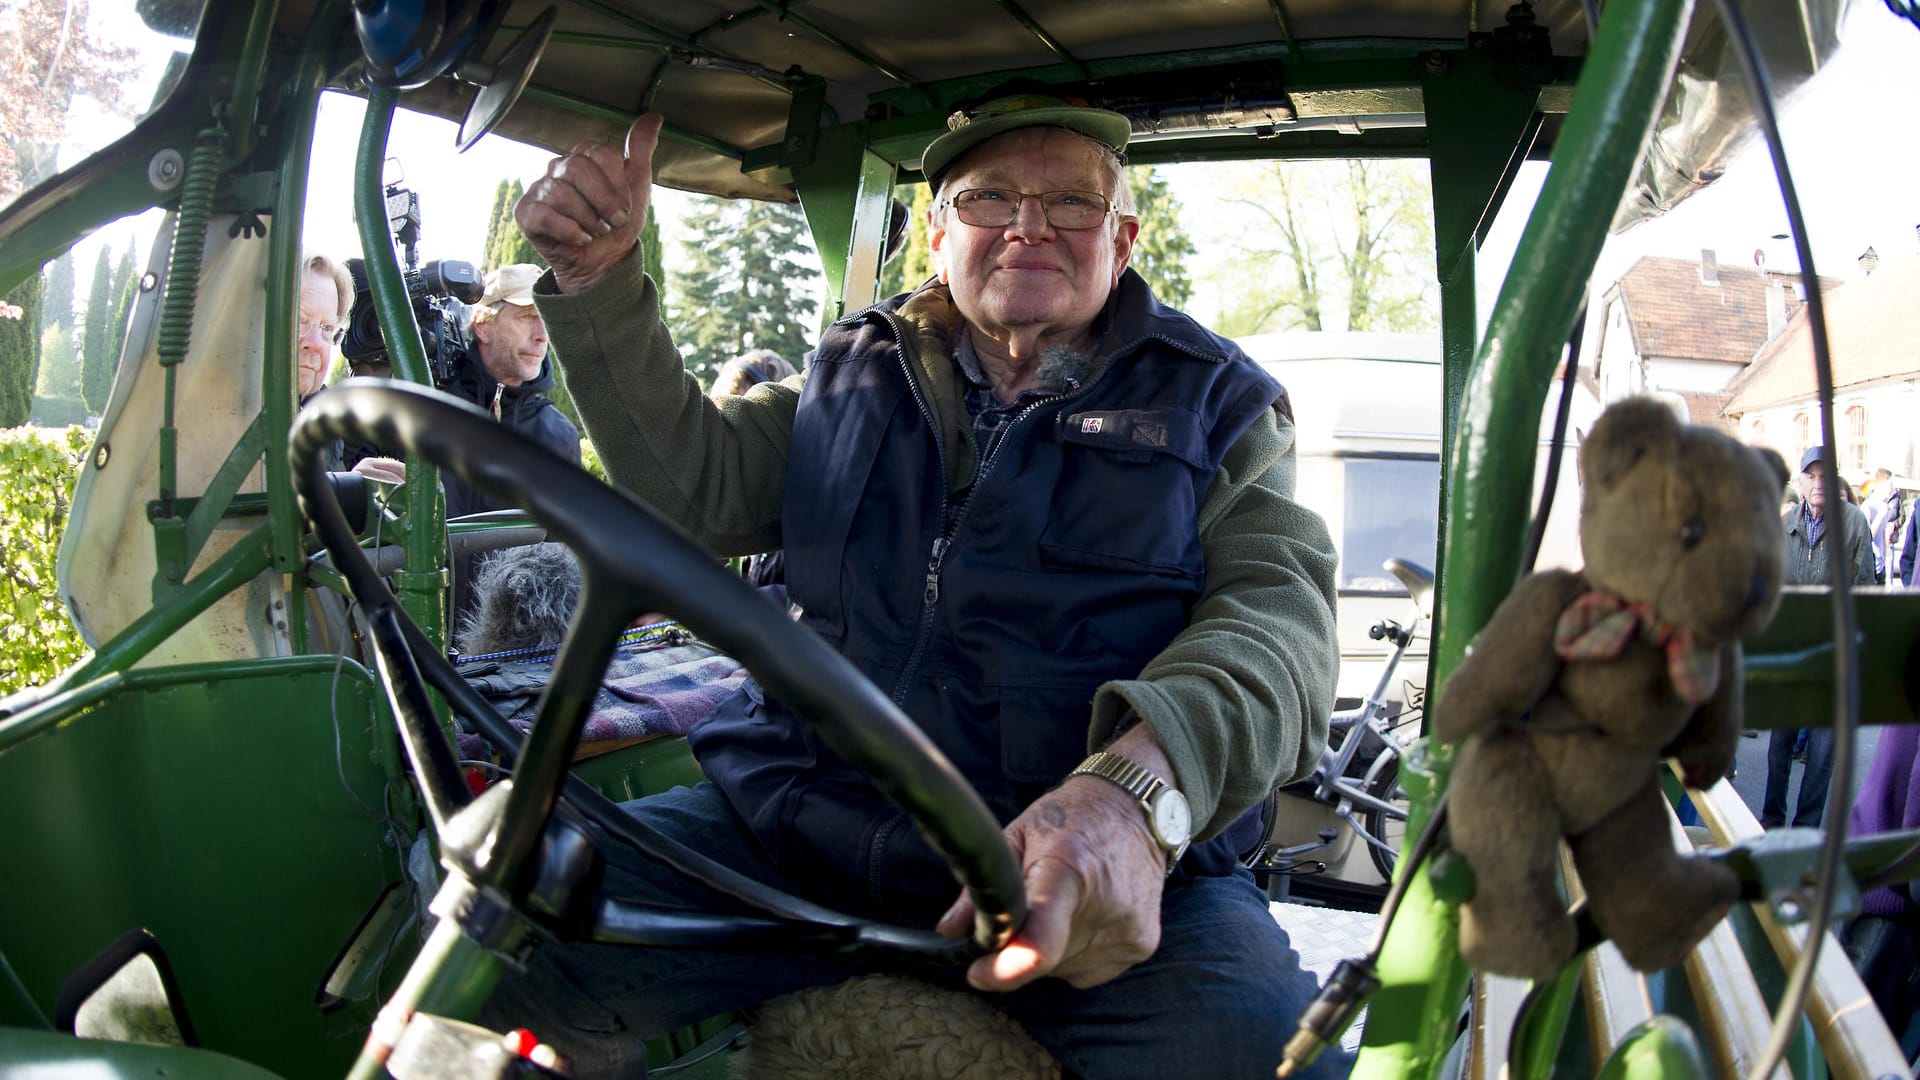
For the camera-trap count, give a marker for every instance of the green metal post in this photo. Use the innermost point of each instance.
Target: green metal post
(1621, 87)
(847, 193)
(283, 283)
(422, 584)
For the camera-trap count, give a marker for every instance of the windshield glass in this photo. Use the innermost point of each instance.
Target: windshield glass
(79, 74)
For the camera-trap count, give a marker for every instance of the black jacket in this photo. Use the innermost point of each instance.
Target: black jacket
(524, 408)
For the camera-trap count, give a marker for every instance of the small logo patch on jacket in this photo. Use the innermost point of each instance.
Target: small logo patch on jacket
(1091, 424)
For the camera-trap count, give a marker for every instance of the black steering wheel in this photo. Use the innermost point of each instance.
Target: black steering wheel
(632, 561)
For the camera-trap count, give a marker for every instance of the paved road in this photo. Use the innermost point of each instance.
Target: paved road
(1751, 783)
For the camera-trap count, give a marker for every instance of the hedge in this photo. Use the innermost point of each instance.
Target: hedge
(37, 471)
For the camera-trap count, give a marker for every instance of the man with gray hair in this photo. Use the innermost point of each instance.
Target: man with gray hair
(506, 372)
(1050, 516)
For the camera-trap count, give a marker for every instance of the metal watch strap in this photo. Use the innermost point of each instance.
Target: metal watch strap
(1134, 779)
(1142, 784)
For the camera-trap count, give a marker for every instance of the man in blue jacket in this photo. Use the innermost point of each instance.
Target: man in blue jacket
(1050, 516)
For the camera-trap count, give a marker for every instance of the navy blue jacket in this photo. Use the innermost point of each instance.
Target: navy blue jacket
(990, 613)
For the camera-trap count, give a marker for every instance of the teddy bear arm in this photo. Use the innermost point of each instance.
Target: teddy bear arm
(1706, 747)
(1512, 663)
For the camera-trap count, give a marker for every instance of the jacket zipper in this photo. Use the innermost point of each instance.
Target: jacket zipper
(930, 595)
(499, 391)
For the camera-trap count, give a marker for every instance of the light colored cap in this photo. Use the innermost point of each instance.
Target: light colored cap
(968, 128)
(511, 284)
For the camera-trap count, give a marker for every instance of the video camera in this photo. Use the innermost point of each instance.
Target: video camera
(434, 290)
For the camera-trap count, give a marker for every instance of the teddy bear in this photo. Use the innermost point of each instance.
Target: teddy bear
(1581, 684)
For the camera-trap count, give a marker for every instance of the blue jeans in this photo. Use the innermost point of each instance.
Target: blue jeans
(1223, 992)
(1810, 808)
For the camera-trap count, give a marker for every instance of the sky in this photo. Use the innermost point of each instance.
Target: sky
(1857, 172)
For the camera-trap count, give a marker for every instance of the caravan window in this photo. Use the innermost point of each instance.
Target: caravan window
(1392, 510)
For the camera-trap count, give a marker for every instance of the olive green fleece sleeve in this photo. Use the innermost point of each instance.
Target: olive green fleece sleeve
(1239, 700)
(717, 469)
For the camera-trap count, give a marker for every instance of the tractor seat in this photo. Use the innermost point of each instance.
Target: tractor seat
(889, 1027)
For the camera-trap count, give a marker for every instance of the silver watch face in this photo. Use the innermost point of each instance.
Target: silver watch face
(1172, 818)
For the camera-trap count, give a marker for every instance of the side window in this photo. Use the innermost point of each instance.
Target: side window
(1392, 510)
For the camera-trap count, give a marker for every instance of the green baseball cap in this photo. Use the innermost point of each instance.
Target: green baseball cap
(969, 127)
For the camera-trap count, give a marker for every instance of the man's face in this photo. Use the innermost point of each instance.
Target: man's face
(1030, 275)
(513, 344)
(1810, 490)
(319, 312)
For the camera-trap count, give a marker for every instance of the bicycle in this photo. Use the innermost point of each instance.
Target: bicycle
(1360, 766)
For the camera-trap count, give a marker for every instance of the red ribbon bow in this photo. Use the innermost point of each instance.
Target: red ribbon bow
(1599, 624)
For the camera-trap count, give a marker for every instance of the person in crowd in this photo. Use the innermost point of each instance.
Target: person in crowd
(1882, 509)
(736, 377)
(1909, 546)
(326, 296)
(1049, 515)
(1813, 536)
(1884, 941)
(504, 369)
(748, 370)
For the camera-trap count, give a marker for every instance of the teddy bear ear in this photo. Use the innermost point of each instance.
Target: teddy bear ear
(1776, 463)
(1630, 429)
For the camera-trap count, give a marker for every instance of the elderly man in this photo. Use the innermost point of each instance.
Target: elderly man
(1809, 532)
(505, 372)
(1049, 516)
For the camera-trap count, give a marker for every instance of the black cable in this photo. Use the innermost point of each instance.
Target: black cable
(1537, 533)
(1846, 655)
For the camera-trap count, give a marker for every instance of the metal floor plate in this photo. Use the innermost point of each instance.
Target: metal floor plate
(1325, 936)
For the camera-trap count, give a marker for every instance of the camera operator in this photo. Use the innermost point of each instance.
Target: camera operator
(505, 371)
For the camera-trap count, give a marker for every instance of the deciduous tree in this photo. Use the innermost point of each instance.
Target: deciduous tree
(1331, 245)
(48, 56)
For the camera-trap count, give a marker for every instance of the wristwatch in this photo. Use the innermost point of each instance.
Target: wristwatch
(1169, 818)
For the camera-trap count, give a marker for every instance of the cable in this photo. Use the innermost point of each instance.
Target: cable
(1846, 655)
(1556, 450)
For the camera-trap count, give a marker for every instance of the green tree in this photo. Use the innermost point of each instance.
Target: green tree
(653, 253)
(60, 294)
(96, 346)
(502, 211)
(37, 472)
(96, 377)
(506, 244)
(742, 282)
(19, 350)
(1331, 245)
(914, 264)
(59, 374)
(1160, 254)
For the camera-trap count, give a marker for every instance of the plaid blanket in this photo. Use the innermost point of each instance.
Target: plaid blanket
(656, 687)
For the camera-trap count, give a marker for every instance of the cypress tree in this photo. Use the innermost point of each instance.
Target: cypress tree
(60, 294)
(20, 350)
(96, 383)
(493, 228)
(96, 348)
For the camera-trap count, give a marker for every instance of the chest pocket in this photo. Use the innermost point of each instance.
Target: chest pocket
(1129, 492)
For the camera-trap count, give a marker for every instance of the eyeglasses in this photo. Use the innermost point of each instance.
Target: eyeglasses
(994, 208)
(332, 333)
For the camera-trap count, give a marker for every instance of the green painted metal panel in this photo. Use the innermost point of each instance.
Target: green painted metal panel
(48, 1056)
(847, 192)
(206, 804)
